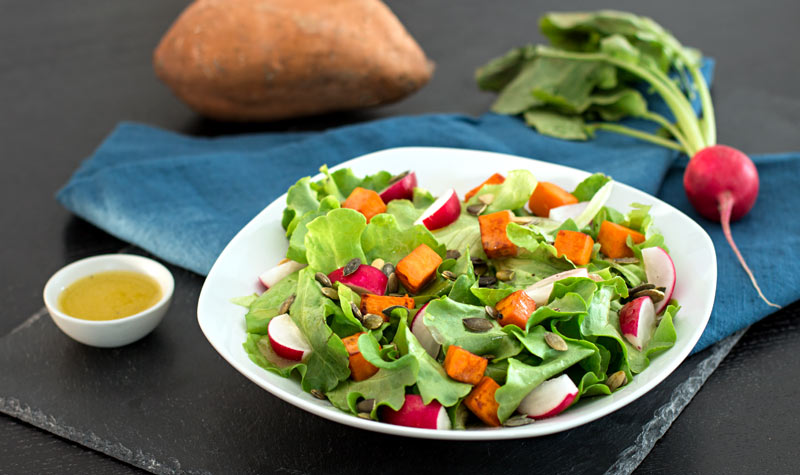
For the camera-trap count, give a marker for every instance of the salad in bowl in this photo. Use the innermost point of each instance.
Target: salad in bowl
(501, 307)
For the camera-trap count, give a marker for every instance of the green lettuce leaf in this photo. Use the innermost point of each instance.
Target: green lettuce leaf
(300, 199)
(259, 350)
(512, 194)
(297, 246)
(383, 238)
(464, 233)
(266, 305)
(334, 239)
(590, 186)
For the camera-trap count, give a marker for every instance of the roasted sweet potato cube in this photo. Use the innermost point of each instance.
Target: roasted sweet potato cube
(366, 202)
(371, 303)
(576, 246)
(495, 179)
(515, 309)
(493, 235)
(418, 268)
(547, 196)
(360, 368)
(482, 403)
(613, 240)
(464, 366)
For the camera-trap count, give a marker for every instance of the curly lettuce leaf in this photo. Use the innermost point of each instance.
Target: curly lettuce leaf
(383, 238)
(464, 233)
(512, 194)
(297, 246)
(263, 308)
(334, 239)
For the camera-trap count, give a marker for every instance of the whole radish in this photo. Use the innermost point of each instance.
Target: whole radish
(722, 185)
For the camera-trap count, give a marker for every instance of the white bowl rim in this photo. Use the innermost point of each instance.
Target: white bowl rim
(166, 290)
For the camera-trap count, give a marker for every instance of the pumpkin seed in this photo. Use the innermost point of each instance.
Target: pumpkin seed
(388, 310)
(640, 288)
(518, 420)
(356, 312)
(616, 380)
(655, 295)
(364, 415)
(492, 312)
(399, 177)
(662, 289)
(452, 254)
(378, 263)
(476, 209)
(318, 394)
(477, 261)
(449, 275)
(477, 325)
(351, 266)
(522, 219)
(365, 405)
(387, 269)
(372, 321)
(286, 305)
(489, 357)
(504, 275)
(480, 269)
(555, 341)
(626, 260)
(392, 284)
(486, 199)
(487, 281)
(330, 292)
(357, 289)
(323, 279)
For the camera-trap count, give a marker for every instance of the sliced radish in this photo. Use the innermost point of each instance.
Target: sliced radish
(637, 320)
(365, 280)
(286, 339)
(424, 335)
(563, 213)
(549, 398)
(660, 272)
(272, 276)
(402, 189)
(442, 212)
(540, 291)
(416, 414)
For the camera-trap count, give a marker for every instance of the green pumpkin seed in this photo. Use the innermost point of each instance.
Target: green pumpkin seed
(452, 254)
(518, 420)
(365, 405)
(318, 394)
(364, 415)
(492, 312)
(330, 292)
(351, 266)
(372, 321)
(504, 275)
(449, 275)
(286, 305)
(387, 269)
(392, 284)
(480, 269)
(626, 260)
(641, 287)
(522, 219)
(655, 295)
(476, 209)
(487, 281)
(388, 310)
(555, 341)
(477, 325)
(356, 311)
(323, 279)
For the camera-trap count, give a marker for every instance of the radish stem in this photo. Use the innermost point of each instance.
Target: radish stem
(726, 202)
(621, 129)
(661, 120)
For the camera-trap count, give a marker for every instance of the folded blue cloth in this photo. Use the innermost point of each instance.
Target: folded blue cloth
(183, 198)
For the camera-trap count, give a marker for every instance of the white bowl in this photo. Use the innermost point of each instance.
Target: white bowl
(109, 333)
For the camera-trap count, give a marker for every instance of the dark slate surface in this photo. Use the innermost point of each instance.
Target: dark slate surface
(69, 71)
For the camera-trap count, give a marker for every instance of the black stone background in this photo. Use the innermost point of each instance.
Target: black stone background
(69, 71)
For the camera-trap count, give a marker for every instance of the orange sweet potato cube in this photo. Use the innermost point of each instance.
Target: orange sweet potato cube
(613, 240)
(371, 303)
(493, 235)
(464, 366)
(482, 403)
(547, 196)
(360, 368)
(418, 268)
(366, 202)
(495, 179)
(576, 246)
(515, 309)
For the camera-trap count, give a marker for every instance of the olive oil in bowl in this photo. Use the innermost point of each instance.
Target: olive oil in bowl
(109, 295)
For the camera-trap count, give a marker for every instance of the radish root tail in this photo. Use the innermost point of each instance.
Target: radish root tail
(726, 201)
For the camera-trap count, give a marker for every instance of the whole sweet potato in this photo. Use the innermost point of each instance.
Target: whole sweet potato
(273, 59)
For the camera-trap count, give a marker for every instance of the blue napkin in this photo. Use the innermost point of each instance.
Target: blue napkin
(183, 198)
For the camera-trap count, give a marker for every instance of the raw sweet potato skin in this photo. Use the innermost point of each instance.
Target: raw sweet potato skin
(464, 366)
(253, 60)
(482, 403)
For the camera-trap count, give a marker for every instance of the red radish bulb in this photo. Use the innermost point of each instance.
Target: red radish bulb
(402, 189)
(443, 211)
(540, 291)
(365, 280)
(660, 272)
(549, 398)
(424, 335)
(286, 338)
(637, 320)
(272, 276)
(722, 185)
(416, 414)
(563, 213)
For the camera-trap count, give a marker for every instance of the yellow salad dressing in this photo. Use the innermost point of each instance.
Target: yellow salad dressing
(109, 295)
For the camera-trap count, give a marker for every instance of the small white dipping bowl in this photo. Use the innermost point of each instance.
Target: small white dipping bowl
(109, 333)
